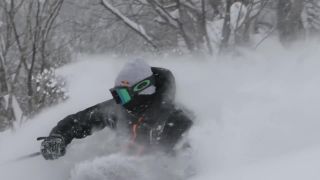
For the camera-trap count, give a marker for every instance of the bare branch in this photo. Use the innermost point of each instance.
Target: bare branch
(132, 25)
(164, 14)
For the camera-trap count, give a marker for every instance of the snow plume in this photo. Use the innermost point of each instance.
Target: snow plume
(257, 118)
(121, 167)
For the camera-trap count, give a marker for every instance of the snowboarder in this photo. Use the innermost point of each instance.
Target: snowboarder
(143, 103)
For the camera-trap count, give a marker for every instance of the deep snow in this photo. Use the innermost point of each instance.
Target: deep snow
(258, 117)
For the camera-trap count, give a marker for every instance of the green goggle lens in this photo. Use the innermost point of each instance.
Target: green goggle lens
(123, 95)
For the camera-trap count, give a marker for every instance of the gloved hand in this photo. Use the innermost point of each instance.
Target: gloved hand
(53, 147)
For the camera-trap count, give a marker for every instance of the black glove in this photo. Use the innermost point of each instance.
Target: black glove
(53, 147)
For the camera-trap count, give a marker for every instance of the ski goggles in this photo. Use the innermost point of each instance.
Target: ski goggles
(122, 94)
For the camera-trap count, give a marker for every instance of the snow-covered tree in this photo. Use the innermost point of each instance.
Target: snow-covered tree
(29, 43)
(50, 89)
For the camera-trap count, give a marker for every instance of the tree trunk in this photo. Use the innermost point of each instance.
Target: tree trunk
(204, 26)
(290, 25)
(226, 31)
(216, 6)
(3, 79)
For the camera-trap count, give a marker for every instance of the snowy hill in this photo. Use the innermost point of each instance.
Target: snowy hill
(257, 118)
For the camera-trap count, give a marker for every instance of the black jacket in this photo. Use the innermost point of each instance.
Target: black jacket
(161, 124)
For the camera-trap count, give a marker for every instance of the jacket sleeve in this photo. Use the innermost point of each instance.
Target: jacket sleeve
(83, 123)
(177, 124)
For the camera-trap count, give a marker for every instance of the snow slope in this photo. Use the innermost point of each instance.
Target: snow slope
(257, 118)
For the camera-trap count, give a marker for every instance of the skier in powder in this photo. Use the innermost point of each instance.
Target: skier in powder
(143, 103)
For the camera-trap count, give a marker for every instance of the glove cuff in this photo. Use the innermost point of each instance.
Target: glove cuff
(54, 135)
